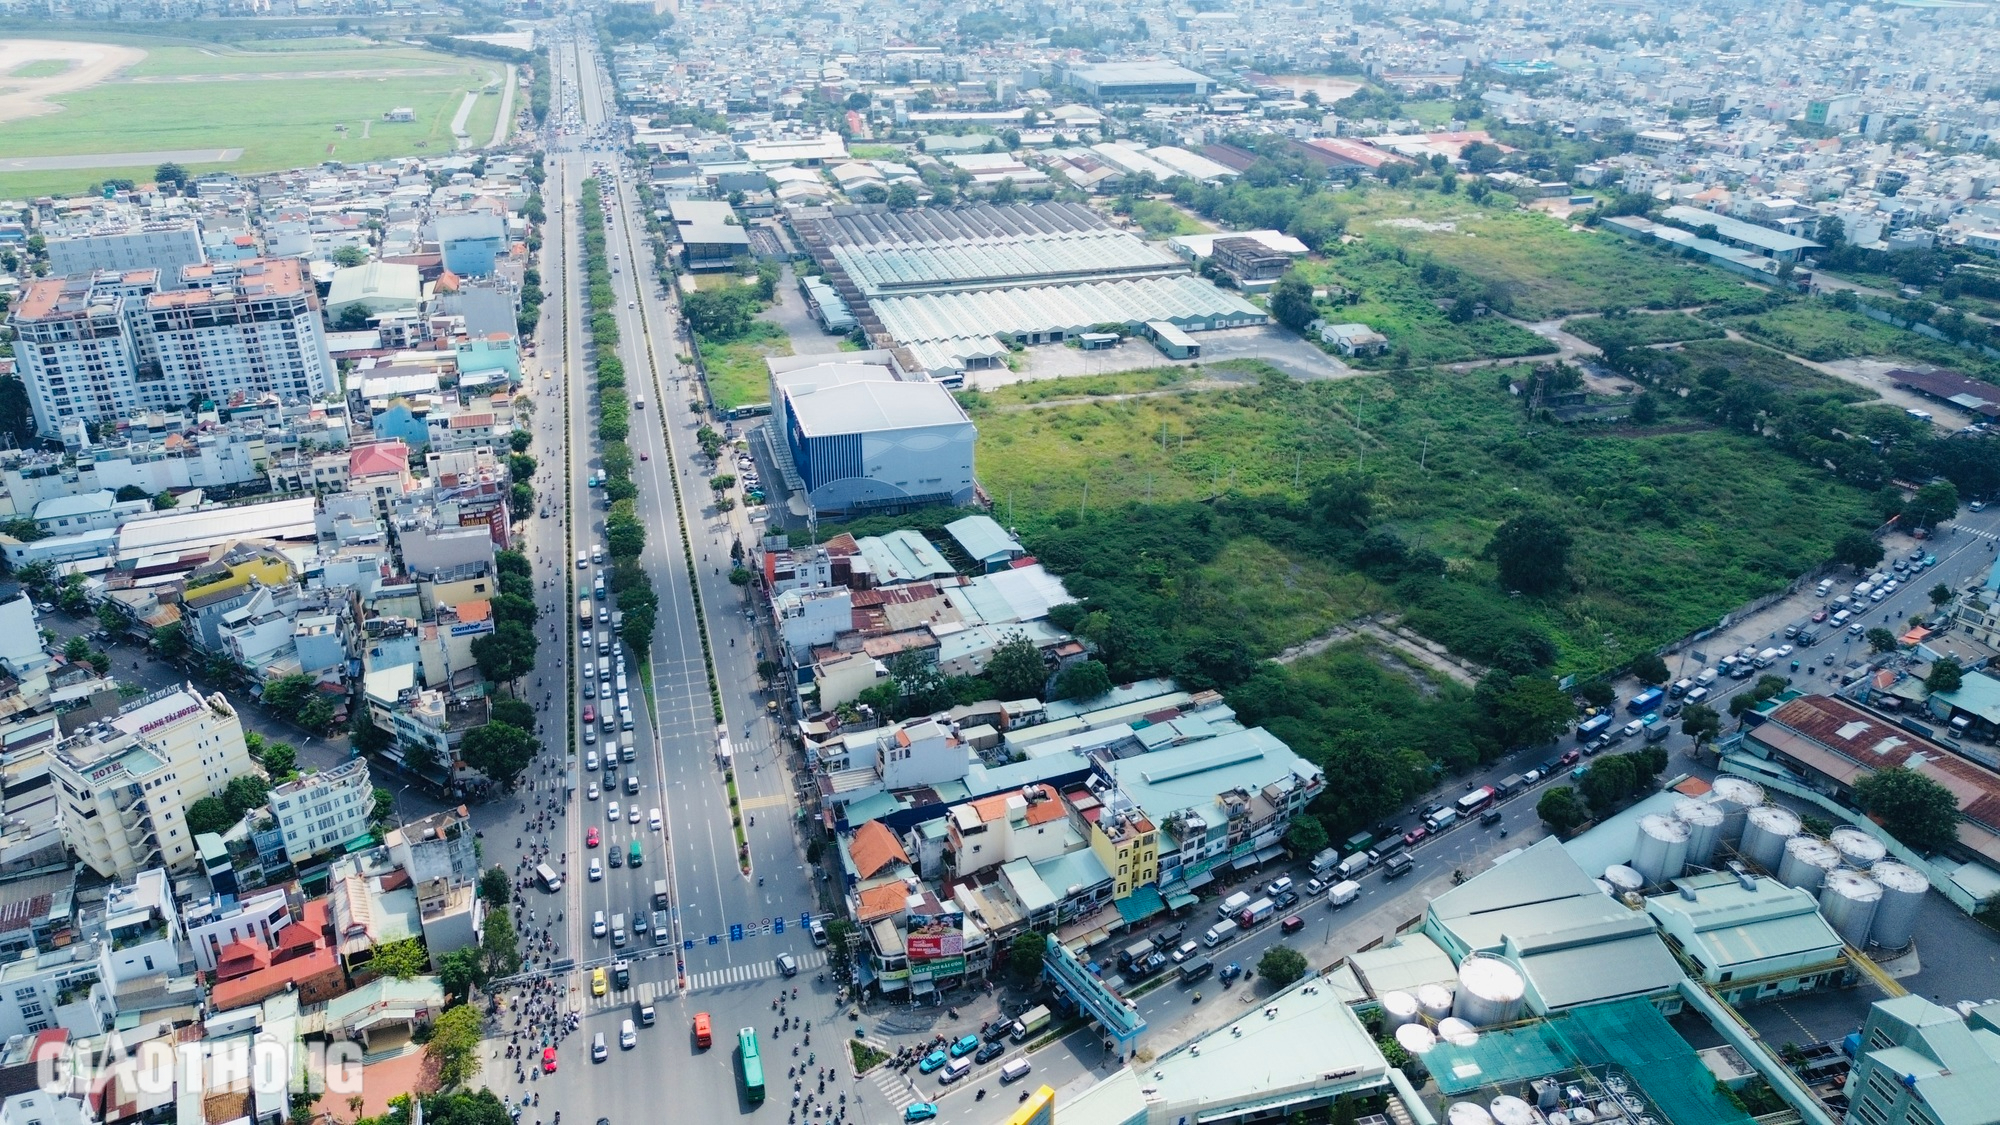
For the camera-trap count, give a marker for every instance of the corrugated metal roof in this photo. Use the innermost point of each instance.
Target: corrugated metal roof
(1181, 301)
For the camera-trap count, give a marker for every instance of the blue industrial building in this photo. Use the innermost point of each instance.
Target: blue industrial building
(862, 436)
(471, 242)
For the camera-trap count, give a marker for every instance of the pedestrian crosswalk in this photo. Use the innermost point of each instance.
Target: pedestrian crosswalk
(898, 1088)
(755, 971)
(641, 992)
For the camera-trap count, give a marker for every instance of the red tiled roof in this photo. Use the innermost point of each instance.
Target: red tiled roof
(881, 902)
(874, 847)
(377, 458)
(1872, 742)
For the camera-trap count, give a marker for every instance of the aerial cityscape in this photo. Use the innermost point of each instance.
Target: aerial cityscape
(1452, 555)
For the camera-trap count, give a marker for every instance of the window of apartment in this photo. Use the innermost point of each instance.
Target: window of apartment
(25, 994)
(30, 1010)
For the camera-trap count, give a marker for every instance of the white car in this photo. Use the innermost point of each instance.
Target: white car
(653, 820)
(614, 810)
(627, 1037)
(596, 870)
(592, 791)
(590, 761)
(632, 817)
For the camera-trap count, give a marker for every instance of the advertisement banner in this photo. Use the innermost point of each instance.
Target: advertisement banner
(931, 945)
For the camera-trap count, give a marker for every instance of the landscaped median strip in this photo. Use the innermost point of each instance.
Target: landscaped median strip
(694, 579)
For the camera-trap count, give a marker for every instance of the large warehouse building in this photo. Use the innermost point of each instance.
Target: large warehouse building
(954, 288)
(853, 434)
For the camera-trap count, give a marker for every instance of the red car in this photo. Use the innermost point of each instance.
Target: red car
(1572, 758)
(1819, 615)
(590, 838)
(645, 456)
(1411, 837)
(589, 713)
(548, 1060)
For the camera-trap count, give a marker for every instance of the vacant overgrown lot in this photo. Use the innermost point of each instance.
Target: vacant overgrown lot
(1671, 529)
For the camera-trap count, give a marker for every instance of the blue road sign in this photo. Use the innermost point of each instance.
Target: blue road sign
(736, 931)
(712, 939)
(688, 943)
(805, 921)
(777, 925)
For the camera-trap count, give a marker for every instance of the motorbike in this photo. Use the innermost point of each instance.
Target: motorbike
(980, 1096)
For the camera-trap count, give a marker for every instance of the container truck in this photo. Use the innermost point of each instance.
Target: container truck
(1256, 912)
(1342, 893)
(1031, 1021)
(1324, 862)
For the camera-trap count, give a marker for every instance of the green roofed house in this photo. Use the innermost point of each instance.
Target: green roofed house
(1921, 1064)
(1750, 938)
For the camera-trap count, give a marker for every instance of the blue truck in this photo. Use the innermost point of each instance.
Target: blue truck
(1645, 701)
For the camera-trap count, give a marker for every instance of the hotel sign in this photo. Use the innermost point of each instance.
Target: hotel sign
(171, 717)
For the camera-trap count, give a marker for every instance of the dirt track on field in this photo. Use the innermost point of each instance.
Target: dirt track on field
(90, 63)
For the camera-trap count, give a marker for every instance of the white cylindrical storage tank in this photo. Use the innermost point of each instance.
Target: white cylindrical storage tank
(1489, 992)
(1704, 825)
(1581, 1115)
(1416, 1039)
(1660, 852)
(1903, 890)
(1468, 1113)
(1510, 1110)
(1398, 1008)
(1434, 1001)
(1857, 848)
(1765, 830)
(1457, 1032)
(1623, 879)
(1735, 797)
(1848, 902)
(1604, 885)
(1558, 1118)
(1807, 860)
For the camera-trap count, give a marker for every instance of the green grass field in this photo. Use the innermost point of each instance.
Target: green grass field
(736, 372)
(1396, 302)
(1658, 519)
(1549, 269)
(1819, 332)
(1639, 329)
(208, 97)
(40, 68)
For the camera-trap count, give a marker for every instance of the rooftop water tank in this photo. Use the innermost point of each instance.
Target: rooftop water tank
(1623, 879)
(1604, 885)
(1660, 851)
(1704, 824)
(1468, 1113)
(1765, 830)
(1416, 1039)
(1807, 860)
(1857, 847)
(1434, 1001)
(1398, 1008)
(1489, 992)
(1903, 890)
(1848, 902)
(1456, 1032)
(1735, 797)
(1510, 1110)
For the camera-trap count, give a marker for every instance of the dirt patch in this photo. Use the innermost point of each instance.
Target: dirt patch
(90, 63)
(1399, 650)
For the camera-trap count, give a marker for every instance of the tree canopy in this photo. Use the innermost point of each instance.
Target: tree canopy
(1531, 552)
(1912, 807)
(499, 750)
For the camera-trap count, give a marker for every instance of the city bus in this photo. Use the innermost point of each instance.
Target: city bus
(753, 1066)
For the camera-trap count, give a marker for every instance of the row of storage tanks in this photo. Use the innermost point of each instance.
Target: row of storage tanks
(1866, 898)
(1510, 1110)
(1488, 993)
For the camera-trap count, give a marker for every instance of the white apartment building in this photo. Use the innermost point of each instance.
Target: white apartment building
(165, 246)
(77, 351)
(214, 925)
(126, 782)
(320, 812)
(240, 331)
(103, 347)
(60, 989)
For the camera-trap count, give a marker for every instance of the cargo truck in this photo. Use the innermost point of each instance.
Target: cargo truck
(1324, 862)
(1031, 1021)
(1256, 912)
(1657, 728)
(659, 894)
(1342, 893)
(1509, 785)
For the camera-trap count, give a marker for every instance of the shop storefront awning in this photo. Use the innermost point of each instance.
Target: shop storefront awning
(1141, 904)
(1201, 880)
(1179, 901)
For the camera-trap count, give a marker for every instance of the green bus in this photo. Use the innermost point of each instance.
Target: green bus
(753, 1065)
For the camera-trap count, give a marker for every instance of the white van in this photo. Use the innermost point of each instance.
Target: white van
(582, 560)
(653, 820)
(1233, 903)
(598, 1051)
(597, 924)
(1220, 932)
(955, 1070)
(621, 683)
(1014, 1070)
